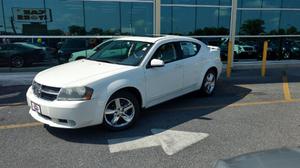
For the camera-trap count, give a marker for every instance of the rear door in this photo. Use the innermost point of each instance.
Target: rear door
(192, 64)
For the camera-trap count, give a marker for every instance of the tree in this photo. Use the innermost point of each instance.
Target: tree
(253, 27)
(96, 31)
(211, 31)
(76, 30)
(292, 30)
(55, 32)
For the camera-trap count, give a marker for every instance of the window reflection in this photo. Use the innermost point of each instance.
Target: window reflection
(2, 25)
(67, 17)
(142, 16)
(288, 23)
(182, 25)
(18, 26)
(106, 23)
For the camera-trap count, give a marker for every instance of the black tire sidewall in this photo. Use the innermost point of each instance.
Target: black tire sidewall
(203, 89)
(14, 58)
(133, 99)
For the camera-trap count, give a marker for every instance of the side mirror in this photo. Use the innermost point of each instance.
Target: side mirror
(157, 63)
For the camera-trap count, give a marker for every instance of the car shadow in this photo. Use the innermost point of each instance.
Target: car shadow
(164, 116)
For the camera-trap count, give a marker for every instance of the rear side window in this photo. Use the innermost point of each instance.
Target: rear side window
(189, 49)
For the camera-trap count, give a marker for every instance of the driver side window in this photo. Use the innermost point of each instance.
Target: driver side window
(166, 53)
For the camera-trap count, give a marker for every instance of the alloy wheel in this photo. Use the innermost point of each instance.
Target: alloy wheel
(119, 112)
(210, 83)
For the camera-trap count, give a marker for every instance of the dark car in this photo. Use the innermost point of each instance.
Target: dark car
(290, 50)
(20, 54)
(68, 47)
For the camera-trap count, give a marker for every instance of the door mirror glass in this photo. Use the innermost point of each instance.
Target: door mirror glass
(157, 63)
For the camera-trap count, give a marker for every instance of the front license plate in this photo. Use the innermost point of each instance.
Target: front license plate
(35, 107)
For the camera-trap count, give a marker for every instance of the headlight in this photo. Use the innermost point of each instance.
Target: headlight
(75, 94)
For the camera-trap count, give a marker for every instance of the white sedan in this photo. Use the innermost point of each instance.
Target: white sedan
(114, 84)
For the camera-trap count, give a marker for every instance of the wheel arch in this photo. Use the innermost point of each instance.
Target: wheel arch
(132, 90)
(132, 86)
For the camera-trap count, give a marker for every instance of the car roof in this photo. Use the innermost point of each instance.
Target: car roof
(155, 39)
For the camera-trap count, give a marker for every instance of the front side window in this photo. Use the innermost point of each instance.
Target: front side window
(123, 52)
(189, 49)
(166, 53)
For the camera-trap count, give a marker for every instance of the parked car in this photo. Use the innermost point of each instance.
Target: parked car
(20, 54)
(113, 87)
(290, 50)
(87, 53)
(281, 50)
(241, 50)
(68, 47)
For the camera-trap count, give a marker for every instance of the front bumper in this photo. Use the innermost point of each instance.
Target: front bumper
(66, 114)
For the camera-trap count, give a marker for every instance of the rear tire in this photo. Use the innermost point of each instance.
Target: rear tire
(122, 111)
(17, 61)
(209, 83)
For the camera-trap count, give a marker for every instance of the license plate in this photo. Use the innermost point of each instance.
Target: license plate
(35, 107)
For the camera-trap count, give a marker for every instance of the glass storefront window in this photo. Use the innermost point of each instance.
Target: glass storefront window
(198, 2)
(46, 52)
(136, 18)
(166, 20)
(218, 24)
(19, 19)
(271, 3)
(67, 17)
(259, 3)
(182, 25)
(102, 18)
(2, 25)
(250, 23)
(290, 4)
(142, 18)
(214, 2)
(289, 23)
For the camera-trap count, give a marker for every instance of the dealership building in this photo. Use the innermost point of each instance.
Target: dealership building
(245, 22)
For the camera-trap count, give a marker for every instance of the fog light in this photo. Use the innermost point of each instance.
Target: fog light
(71, 122)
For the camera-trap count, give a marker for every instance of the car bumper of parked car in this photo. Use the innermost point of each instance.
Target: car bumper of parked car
(65, 114)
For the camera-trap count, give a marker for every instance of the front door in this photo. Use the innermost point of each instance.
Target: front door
(162, 82)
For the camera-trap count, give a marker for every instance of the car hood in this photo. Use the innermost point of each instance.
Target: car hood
(73, 73)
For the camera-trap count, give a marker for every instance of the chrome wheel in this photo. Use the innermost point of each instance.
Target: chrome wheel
(119, 112)
(210, 83)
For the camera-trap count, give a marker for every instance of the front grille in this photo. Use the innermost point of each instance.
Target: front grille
(45, 92)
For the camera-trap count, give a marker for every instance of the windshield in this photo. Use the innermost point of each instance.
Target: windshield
(122, 52)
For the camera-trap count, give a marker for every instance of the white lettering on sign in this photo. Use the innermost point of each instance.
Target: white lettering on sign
(32, 15)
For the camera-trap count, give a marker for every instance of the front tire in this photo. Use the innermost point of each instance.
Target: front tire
(17, 61)
(121, 111)
(209, 83)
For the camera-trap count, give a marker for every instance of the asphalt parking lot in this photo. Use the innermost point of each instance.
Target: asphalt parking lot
(248, 113)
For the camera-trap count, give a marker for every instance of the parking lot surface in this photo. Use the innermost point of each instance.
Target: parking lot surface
(247, 113)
